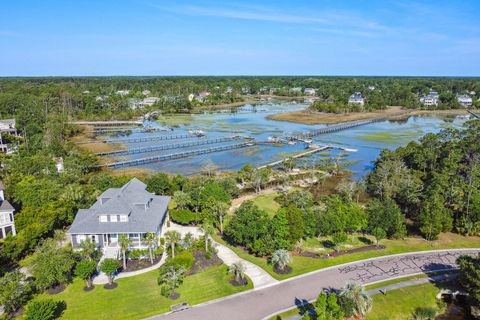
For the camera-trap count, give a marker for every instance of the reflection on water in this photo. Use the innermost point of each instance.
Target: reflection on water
(369, 140)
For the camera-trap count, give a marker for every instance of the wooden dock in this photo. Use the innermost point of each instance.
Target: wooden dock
(185, 154)
(296, 156)
(301, 136)
(107, 123)
(168, 146)
(142, 139)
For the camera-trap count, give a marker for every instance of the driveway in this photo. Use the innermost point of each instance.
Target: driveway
(260, 303)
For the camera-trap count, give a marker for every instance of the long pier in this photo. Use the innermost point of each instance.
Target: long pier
(135, 162)
(330, 129)
(103, 130)
(296, 156)
(473, 114)
(142, 139)
(107, 123)
(167, 147)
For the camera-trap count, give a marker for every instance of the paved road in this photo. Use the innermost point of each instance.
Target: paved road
(260, 303)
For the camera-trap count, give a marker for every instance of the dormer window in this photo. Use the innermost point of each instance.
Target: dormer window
(103, 218)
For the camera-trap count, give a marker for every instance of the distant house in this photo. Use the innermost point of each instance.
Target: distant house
(202, 95)
(123, 93)
(7, 221)
(245, 90)
(191, 96)
(101, 98)
(129, 210)
(310, 91)
(7, 126)
(146, 93)
(274, 90)
(431, 99)
(229, 90)
(371, 88)
(357, 98)
(150, 101)
(296, 89)
(465, 100)
(134, 103)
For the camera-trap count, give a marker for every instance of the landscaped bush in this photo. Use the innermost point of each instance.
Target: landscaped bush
(184, 216)
(47, 309)
(184, 259)
(138, 254)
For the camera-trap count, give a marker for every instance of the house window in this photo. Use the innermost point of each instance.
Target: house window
(81, 238)
(113, 218)
(3, 218)
(123, 218)
(103, 218)
(11, 217)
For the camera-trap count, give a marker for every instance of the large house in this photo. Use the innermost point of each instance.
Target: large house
(129, 210)
(7, 221)
(7, 127)
(357, 98)
(310, 91)
(430, 99)
(150, 101)
(465, 100)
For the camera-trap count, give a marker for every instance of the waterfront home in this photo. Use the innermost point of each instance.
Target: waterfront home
(465, 100)
(310, 91)
(123, 93)
(150, 101)
(357, 98)
(430, 99)
(146, 93)
(7, 220)
(134, 103)
(296, 89)
(7, 127)
(130, 210)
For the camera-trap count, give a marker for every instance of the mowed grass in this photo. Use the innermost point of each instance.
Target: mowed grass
(302, 265)
(267, 203)
(400, 304)
(139, 296)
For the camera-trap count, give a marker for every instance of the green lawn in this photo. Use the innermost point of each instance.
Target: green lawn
(400, 304)
(268, 203)
(302, 265)
(139, 296)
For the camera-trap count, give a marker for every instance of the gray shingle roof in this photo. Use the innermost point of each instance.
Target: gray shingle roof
(6, 206)
(131, 200)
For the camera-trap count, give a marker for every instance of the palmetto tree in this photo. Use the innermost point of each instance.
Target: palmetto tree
(172, 238)
(88, 248)
(207, 231)
(151, 240)
(281, 258)
(355, 295)
(220, 209)
(238, 270)
(124, 241)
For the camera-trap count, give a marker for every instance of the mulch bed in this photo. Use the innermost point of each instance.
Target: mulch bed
(235, 283)
(360, 249)
(174, 296)
(134, 265)
(56, 289)
(309, 254)
(87, 289)
(201, 262)
(286, 270)
(110, 286)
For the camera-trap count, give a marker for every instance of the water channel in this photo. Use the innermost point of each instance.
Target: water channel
(252, 121)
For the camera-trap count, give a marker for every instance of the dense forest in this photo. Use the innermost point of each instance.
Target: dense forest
(97, 98)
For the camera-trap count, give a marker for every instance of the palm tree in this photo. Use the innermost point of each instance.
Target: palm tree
(172, 238)
(220, 209)
(207, 231)
(238, 270)
(124, 241)
(355, 295)
(151, 240)
(281, 258)
(88, 248)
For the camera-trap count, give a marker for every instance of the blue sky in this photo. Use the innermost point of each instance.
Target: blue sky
(151, 37)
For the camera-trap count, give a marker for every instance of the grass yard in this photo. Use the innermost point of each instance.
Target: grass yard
(139, 296)
(302, 265)
(267, 203)
(400, 304)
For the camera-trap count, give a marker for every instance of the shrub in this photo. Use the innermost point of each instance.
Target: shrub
(158, 251)
(184, 259)
(424, 313)
(184, 216)
(138, 254)
(47, 309)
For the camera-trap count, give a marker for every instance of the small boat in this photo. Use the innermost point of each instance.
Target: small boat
(197, 133)
(350, 150)
(308, 140)
(291, 142)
